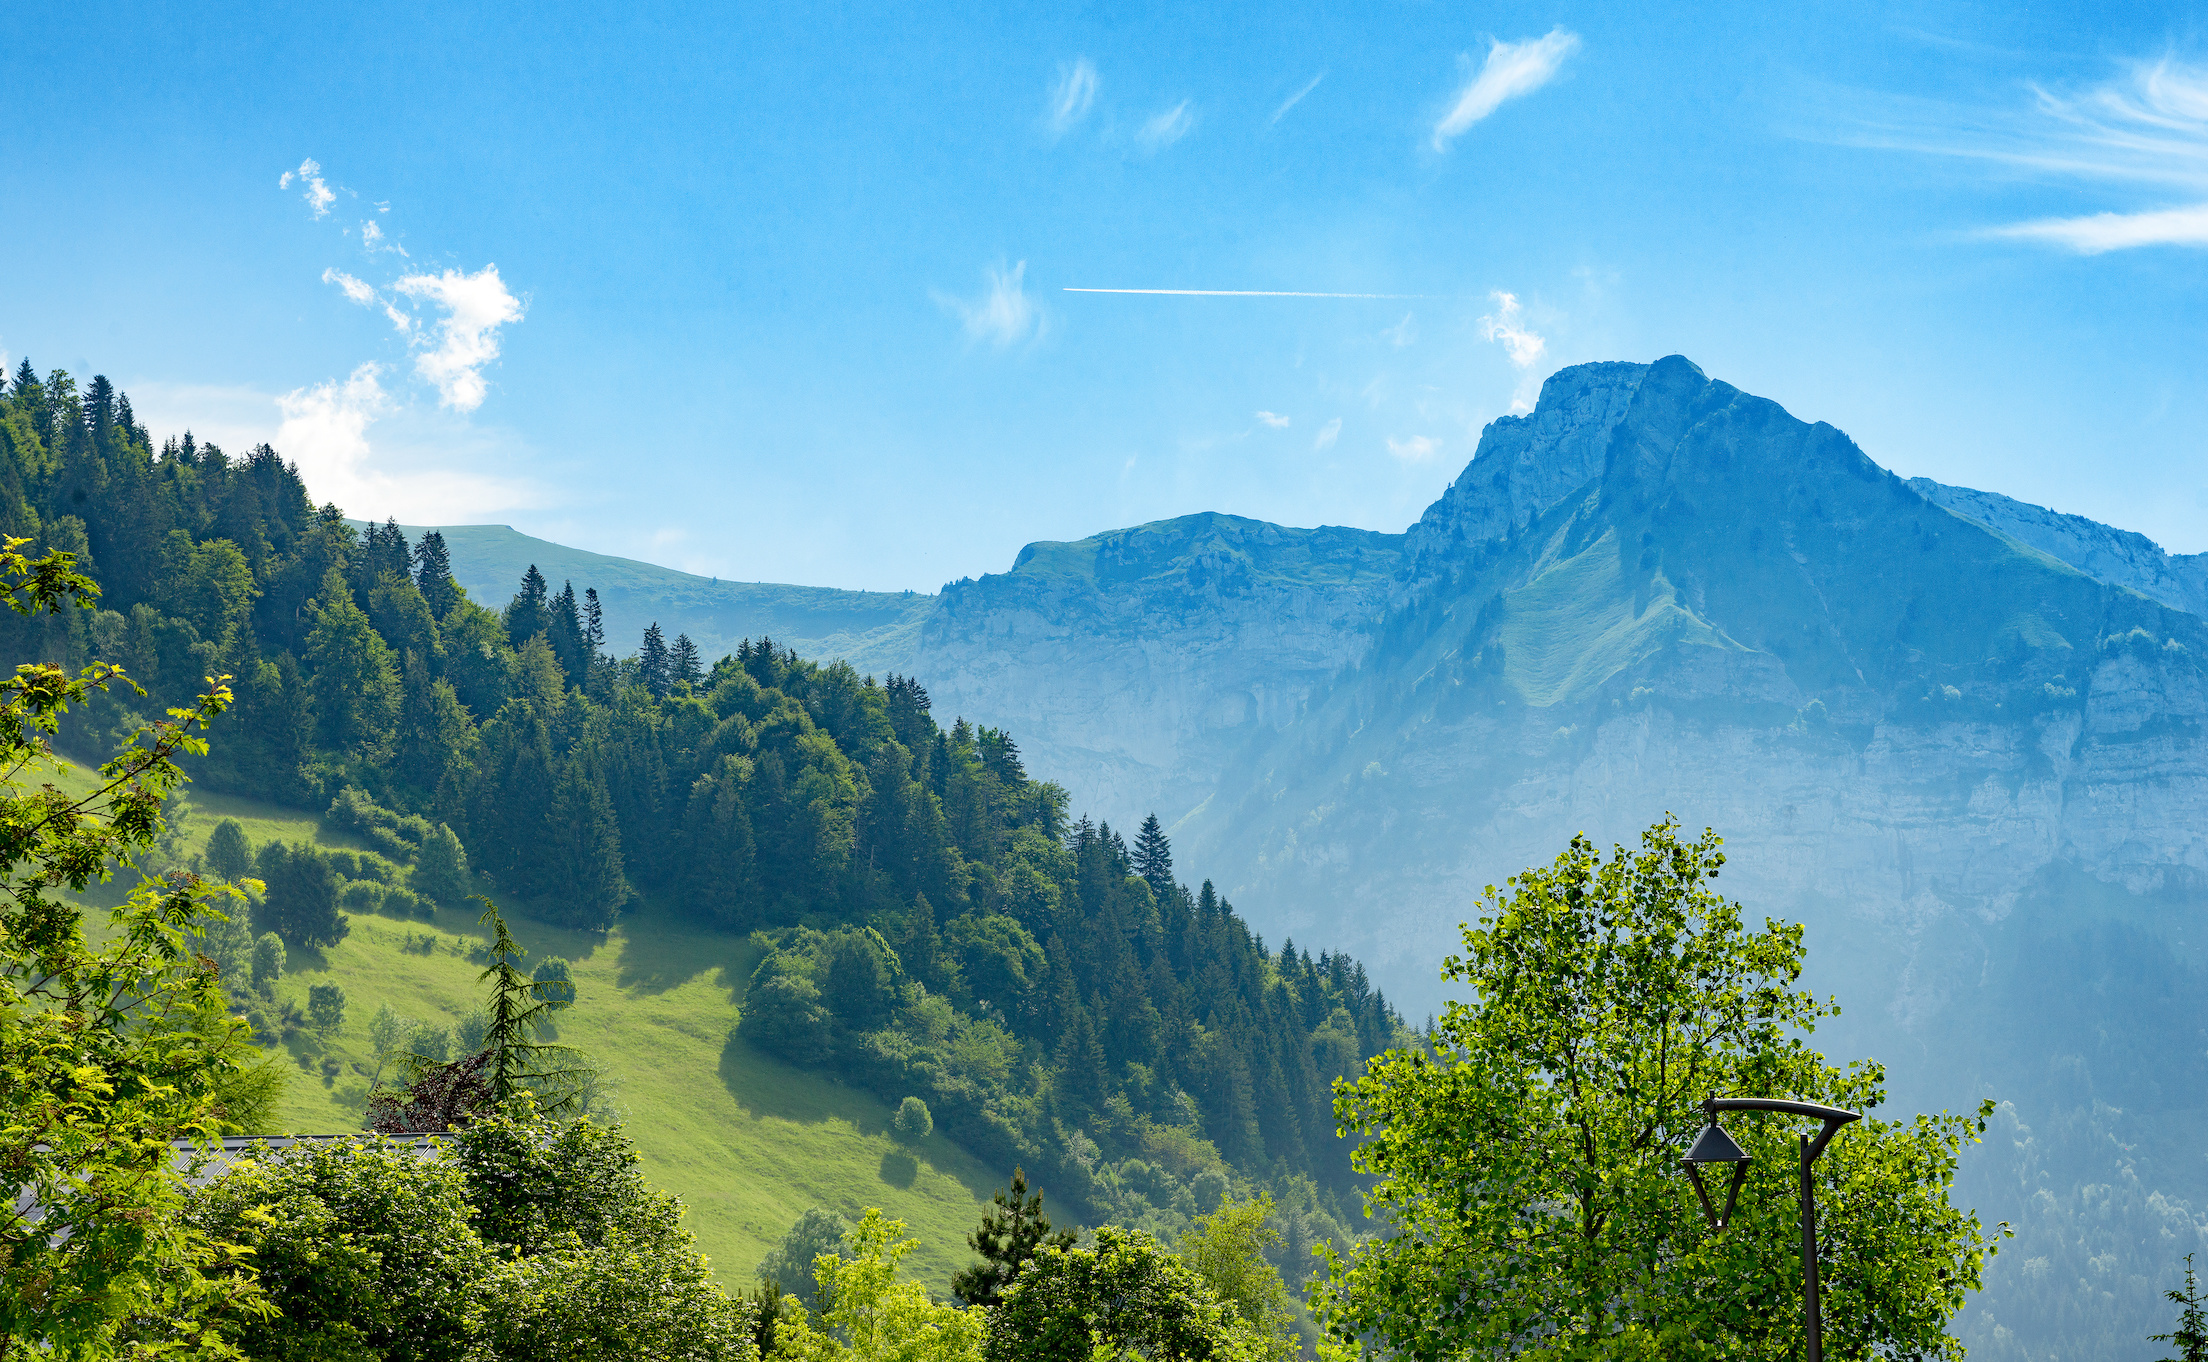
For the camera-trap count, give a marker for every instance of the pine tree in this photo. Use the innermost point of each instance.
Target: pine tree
(1008, 1238)
(527, 614)
(2191, 1334)
(594, 622)
(1154, 857)
(565, 633)
(683, 665)
(433, 574)
(652, 661)
(519, 1007)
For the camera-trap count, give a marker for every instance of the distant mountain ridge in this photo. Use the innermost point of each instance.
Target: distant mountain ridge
(872, 629)
(1962, 738)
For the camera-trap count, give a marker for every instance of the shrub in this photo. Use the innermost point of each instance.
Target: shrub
(400, 901)
(362, 896)
(559, 986)
(913, 1121)
(229, 855)
(268, 962)
(326, 1007)
(441, 867)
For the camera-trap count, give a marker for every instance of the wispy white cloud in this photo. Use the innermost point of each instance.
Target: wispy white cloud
(2098, 233)
(1166, 127)
(475, 307)
(313, 187)
(358, 290)
(1071, 97)
(1328, 434)
(1506, 324)
(364, 293)
(373, 239)
(1511, 69)
(2146, 126)
(1004, 314)
(1403, 333)
(1417, 449)
(1297, 98)
(1273, 420)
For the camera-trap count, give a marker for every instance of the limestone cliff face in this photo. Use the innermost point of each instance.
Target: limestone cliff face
(1130, 664)
(2118, 557)
(1916, 722)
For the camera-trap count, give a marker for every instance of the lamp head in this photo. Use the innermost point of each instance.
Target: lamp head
(1714, 1146)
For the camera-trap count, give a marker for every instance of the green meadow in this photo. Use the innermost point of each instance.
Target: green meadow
(747, 1142)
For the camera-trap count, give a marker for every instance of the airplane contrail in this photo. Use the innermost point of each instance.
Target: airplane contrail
(1248, 293)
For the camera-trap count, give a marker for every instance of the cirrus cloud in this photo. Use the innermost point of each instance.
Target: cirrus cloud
(1004, 314)
(1511, 70)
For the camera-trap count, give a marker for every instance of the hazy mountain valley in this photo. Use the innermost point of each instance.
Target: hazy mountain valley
(1958, 736)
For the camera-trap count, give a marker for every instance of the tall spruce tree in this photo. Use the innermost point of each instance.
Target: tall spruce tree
(683, 664)
(653, 662)
(1154, 857)
(433, 574)
(1010, 1235)
(528, 613)
(594, 622)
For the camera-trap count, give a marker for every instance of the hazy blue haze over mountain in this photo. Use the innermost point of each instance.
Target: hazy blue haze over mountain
(1960, 737)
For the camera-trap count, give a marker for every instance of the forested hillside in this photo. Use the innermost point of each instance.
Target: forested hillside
(933, 924)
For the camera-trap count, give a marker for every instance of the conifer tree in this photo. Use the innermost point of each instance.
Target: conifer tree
(527, 614)
(565, 633)
(594, 622)
(433, 574)
(682, 662)
(652, 661)
(1154, 857)
(1009, 1237)
(519, 1007)
(2190, 1337)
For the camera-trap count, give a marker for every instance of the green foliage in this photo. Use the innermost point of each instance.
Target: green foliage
(1525, 1159)
(300, 901)
(441, 867)
(912, 1122)
(325, 1007)
(107, 1053)
(1227, 1249)
(870, 1316)
(268, 962)
(970, 930)
(789, 1264)
(518, 1007)
(1124, 1295)
(367, 1249)
(554, 974)
(2190, 1337)
(1011, 1233)
(229, 855)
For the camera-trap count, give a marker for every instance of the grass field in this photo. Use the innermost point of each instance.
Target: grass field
(748, 1143)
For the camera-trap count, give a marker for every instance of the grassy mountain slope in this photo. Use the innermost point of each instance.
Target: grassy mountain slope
(747, 1142)
(873, 630)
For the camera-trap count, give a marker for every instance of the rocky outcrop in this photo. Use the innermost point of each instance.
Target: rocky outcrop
(2119, 557)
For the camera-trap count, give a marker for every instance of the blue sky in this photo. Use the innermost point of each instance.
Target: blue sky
(779, 292)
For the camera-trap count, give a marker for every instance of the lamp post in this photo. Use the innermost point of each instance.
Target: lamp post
(1714, 1146)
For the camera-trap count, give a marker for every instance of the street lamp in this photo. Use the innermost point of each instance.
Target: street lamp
(1714, 1146)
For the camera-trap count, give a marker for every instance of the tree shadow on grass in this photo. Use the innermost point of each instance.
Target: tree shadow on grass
(899, 1169)
(660, 951)
(757, 1083)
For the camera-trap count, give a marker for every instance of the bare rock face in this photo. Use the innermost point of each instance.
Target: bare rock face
(2118, 557)
(1129, 665)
